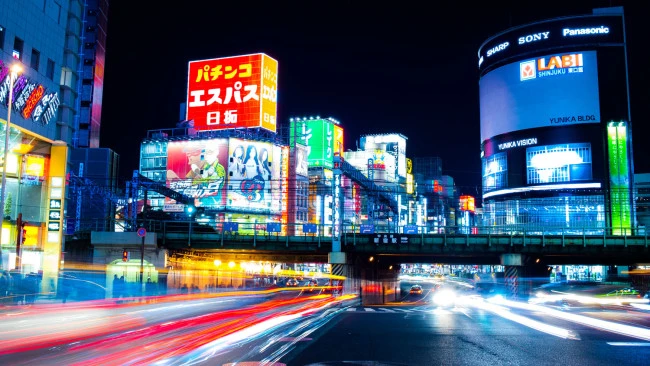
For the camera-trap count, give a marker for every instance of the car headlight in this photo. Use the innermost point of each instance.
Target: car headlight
(444, 298)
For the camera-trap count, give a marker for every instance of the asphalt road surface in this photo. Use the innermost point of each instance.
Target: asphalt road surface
(300, 329)
(430, 335)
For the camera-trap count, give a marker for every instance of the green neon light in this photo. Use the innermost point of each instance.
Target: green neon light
(619, 175)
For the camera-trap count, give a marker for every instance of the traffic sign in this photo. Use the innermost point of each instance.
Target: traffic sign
(142, 232)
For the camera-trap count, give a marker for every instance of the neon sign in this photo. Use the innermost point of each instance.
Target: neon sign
(30, 99)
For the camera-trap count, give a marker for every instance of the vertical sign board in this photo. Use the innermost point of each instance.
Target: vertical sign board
(619, 176)
(56, 202)
(233, 92)
(336, 207)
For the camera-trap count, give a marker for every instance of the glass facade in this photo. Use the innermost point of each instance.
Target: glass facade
(495, 172)
(548, 215)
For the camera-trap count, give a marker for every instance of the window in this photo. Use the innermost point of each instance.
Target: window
(50, 69)
(18, 49)
(2, 37)
(36, 59)
(66, 77)
(495, 169)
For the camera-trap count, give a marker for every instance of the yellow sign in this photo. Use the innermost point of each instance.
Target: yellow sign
(409, 183)
(269, 92)
(409, 166)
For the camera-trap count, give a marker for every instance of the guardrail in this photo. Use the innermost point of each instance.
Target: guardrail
(324, 230)
(294, 235)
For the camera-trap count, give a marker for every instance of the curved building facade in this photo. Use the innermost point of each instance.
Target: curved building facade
(555, 127)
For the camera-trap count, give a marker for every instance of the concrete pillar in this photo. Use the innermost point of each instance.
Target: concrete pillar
(513, 264)
(339, 265)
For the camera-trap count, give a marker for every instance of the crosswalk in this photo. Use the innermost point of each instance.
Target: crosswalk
(394, 310)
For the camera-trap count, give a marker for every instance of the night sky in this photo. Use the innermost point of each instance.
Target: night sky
(400, 68)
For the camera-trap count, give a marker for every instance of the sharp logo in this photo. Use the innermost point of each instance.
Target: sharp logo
(497, 48)
(527, 70)
(533, 37)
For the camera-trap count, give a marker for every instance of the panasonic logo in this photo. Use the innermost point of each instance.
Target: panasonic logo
(585, 31)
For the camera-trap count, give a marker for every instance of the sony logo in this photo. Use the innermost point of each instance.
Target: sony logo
(533, 37)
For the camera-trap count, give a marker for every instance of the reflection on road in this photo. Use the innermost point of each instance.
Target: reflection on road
(147, 330)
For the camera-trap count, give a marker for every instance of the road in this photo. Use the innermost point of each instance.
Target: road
(297, 328)
(465, 335)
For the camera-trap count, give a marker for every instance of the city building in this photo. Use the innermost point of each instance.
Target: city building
(56, 102)
(33, 36)
(557, 162)
(642, 201)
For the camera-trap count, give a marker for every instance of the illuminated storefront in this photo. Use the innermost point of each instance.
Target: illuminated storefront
(35, 196)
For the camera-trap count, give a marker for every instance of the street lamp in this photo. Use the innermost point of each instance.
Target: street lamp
(217, 263)
(13, 74)
(231, 264)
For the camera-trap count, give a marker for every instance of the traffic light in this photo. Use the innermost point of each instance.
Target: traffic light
(125, 256)
(24, 232)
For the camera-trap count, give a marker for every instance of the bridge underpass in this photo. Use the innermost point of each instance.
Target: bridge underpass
(374, 260)
(450, 248)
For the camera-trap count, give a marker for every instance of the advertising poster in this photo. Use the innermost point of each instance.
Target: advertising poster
(197, 169)
(549, 91)
(251, 175)
(302, 168)
(233, 92)
(619, 179)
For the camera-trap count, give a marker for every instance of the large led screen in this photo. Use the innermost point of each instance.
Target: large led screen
(197, 169)
(253, 180)
(555, 90)
(558, 163)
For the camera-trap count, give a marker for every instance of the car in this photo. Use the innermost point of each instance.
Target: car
(624, 296)
(311, 284)
(416, 290)
(292, 282)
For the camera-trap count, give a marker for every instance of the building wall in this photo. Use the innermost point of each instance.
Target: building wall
(41, 26)
(642, 201)
(539, 170)
(89, 208)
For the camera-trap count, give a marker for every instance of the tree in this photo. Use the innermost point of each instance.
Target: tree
(7, 208)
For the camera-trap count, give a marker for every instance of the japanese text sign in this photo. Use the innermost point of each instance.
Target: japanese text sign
(233, 92)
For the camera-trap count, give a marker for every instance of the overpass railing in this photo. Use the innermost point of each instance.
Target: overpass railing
(324, 230)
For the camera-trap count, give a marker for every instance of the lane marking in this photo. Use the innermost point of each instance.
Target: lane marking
(630, 344)
(387, 310)
(368, 309)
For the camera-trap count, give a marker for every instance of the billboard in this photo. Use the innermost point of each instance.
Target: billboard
(196, 168)
(233, 92)
(393, 143)
(252, 176)
(558, 163)
(322, 137)
(554, 90)
(619, 175)
(376, 165)
(590, 30)
(302, 167)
